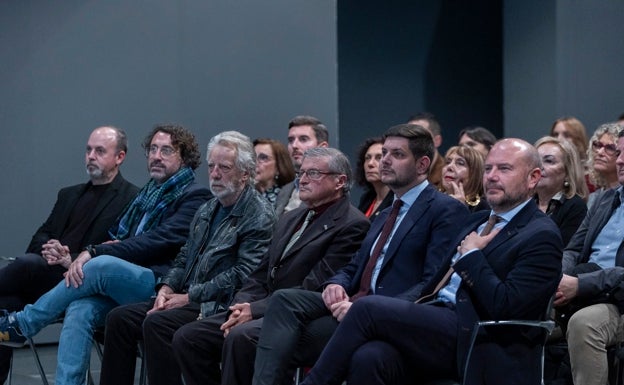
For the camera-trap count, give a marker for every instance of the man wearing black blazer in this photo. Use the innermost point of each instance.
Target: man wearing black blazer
(398, 265)
(597, 245)
(67, 231)
(509, 272)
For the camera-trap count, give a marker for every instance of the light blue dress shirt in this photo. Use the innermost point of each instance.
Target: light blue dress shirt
(408, 200)
(606, 244)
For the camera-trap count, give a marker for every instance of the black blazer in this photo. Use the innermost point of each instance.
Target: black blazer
(367, 198)
(416, 251)
(118, 194)
(513, 277)
(568, 216)
(327, 245)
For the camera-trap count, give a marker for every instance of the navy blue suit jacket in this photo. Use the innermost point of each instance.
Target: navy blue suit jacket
(416, 250)
(513, 277)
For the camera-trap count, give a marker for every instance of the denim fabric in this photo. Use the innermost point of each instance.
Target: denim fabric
(108, 281)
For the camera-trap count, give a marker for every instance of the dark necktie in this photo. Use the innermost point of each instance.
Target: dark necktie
(295, 237)
(492, 221)
(367, 275)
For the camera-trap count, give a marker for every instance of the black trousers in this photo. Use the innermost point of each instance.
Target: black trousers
(22, 282)
(126, 326)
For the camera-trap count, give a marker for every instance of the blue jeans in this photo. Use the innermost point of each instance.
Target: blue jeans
(108, 282)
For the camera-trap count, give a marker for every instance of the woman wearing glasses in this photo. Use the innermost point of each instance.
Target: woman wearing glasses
(601, 159)
(274, 168)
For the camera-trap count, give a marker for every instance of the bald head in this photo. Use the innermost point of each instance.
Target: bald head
(105, 152)
(512, 170)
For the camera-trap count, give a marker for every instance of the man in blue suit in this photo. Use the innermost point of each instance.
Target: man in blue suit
(506, 267)
(396, 261)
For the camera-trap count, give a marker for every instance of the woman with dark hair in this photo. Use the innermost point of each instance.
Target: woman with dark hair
(274, 167)
(462, 177)
(377, 196)
(479, 138)
(561, 190)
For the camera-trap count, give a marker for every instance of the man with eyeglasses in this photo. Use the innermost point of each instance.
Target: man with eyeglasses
(593, 282)
(68, 230)
(229, 235)
(124, 269)
(402, 252)
(304, 132)
(310, 244)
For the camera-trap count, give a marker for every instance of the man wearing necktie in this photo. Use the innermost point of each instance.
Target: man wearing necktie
(510, 273)
(309, 245)
(402, 251)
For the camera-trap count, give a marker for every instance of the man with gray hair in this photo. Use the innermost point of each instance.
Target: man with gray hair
(310, 244)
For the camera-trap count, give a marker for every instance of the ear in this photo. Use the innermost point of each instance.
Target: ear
(121, 156)
(323, 144)
(534, 177)
(422, 165)
(341, 181)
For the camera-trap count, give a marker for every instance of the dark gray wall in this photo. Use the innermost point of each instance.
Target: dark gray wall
(398, 58)
(562, 58)
(69, 66)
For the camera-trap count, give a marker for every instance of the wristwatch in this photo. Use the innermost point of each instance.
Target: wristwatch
(91, 250)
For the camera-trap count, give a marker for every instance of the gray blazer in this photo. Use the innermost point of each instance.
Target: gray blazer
(283, 197)
(579, 248)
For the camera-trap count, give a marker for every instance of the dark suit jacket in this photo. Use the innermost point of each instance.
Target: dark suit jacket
(283, 197)
(327, 245)
(513, 277)
(118, 194)
(580, 247)
(416, 251)
(367, 198)
(158, 247)
(568, 216)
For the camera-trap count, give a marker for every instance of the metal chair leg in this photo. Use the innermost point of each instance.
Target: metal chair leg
(33, 349)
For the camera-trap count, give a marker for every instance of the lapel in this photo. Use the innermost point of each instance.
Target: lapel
(418, 209)
(320, 225)
(511, 229)
(603, 214)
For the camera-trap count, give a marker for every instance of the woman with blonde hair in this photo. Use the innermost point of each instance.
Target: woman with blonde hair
(561, 190)
(462, 177)
(601, 159)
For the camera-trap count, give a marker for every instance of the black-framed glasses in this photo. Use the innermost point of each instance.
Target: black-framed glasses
(165, 151)
(314, 174)
(609, 149)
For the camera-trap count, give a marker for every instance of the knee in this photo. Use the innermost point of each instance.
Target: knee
(281, 297)
(242, 334)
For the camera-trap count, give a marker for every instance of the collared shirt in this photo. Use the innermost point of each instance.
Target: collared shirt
(408, 200)
(448, 292)
(606, 244)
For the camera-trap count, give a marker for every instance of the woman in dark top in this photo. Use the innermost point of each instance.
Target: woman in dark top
(274, 167)
(462, 177)
(377, 196)
(561, 190)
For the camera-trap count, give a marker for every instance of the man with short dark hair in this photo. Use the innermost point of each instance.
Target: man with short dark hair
(402, 251)
(81, 216)
(229, 235)
(123, 270)
(304, 132)
(431, 124)
(505, 265)
(310, 244)
(593, 266)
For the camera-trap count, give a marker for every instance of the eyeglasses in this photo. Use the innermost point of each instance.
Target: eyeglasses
(609, 149)
(314, 174)
(165, 151)
(263, 158)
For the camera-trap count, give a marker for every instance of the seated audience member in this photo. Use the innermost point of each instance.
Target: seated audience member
(81, 216)
(309, 245)
(274, 168)
(601, 160)
(462, 177)
(401, 253)
(123, 270)
(304, 132)
(561, 190)
(572, 130)
(431, 124)
(229, 235)
(377, 196)
(479, 138)
(506, 265)
(620, 121)
(593, 281)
